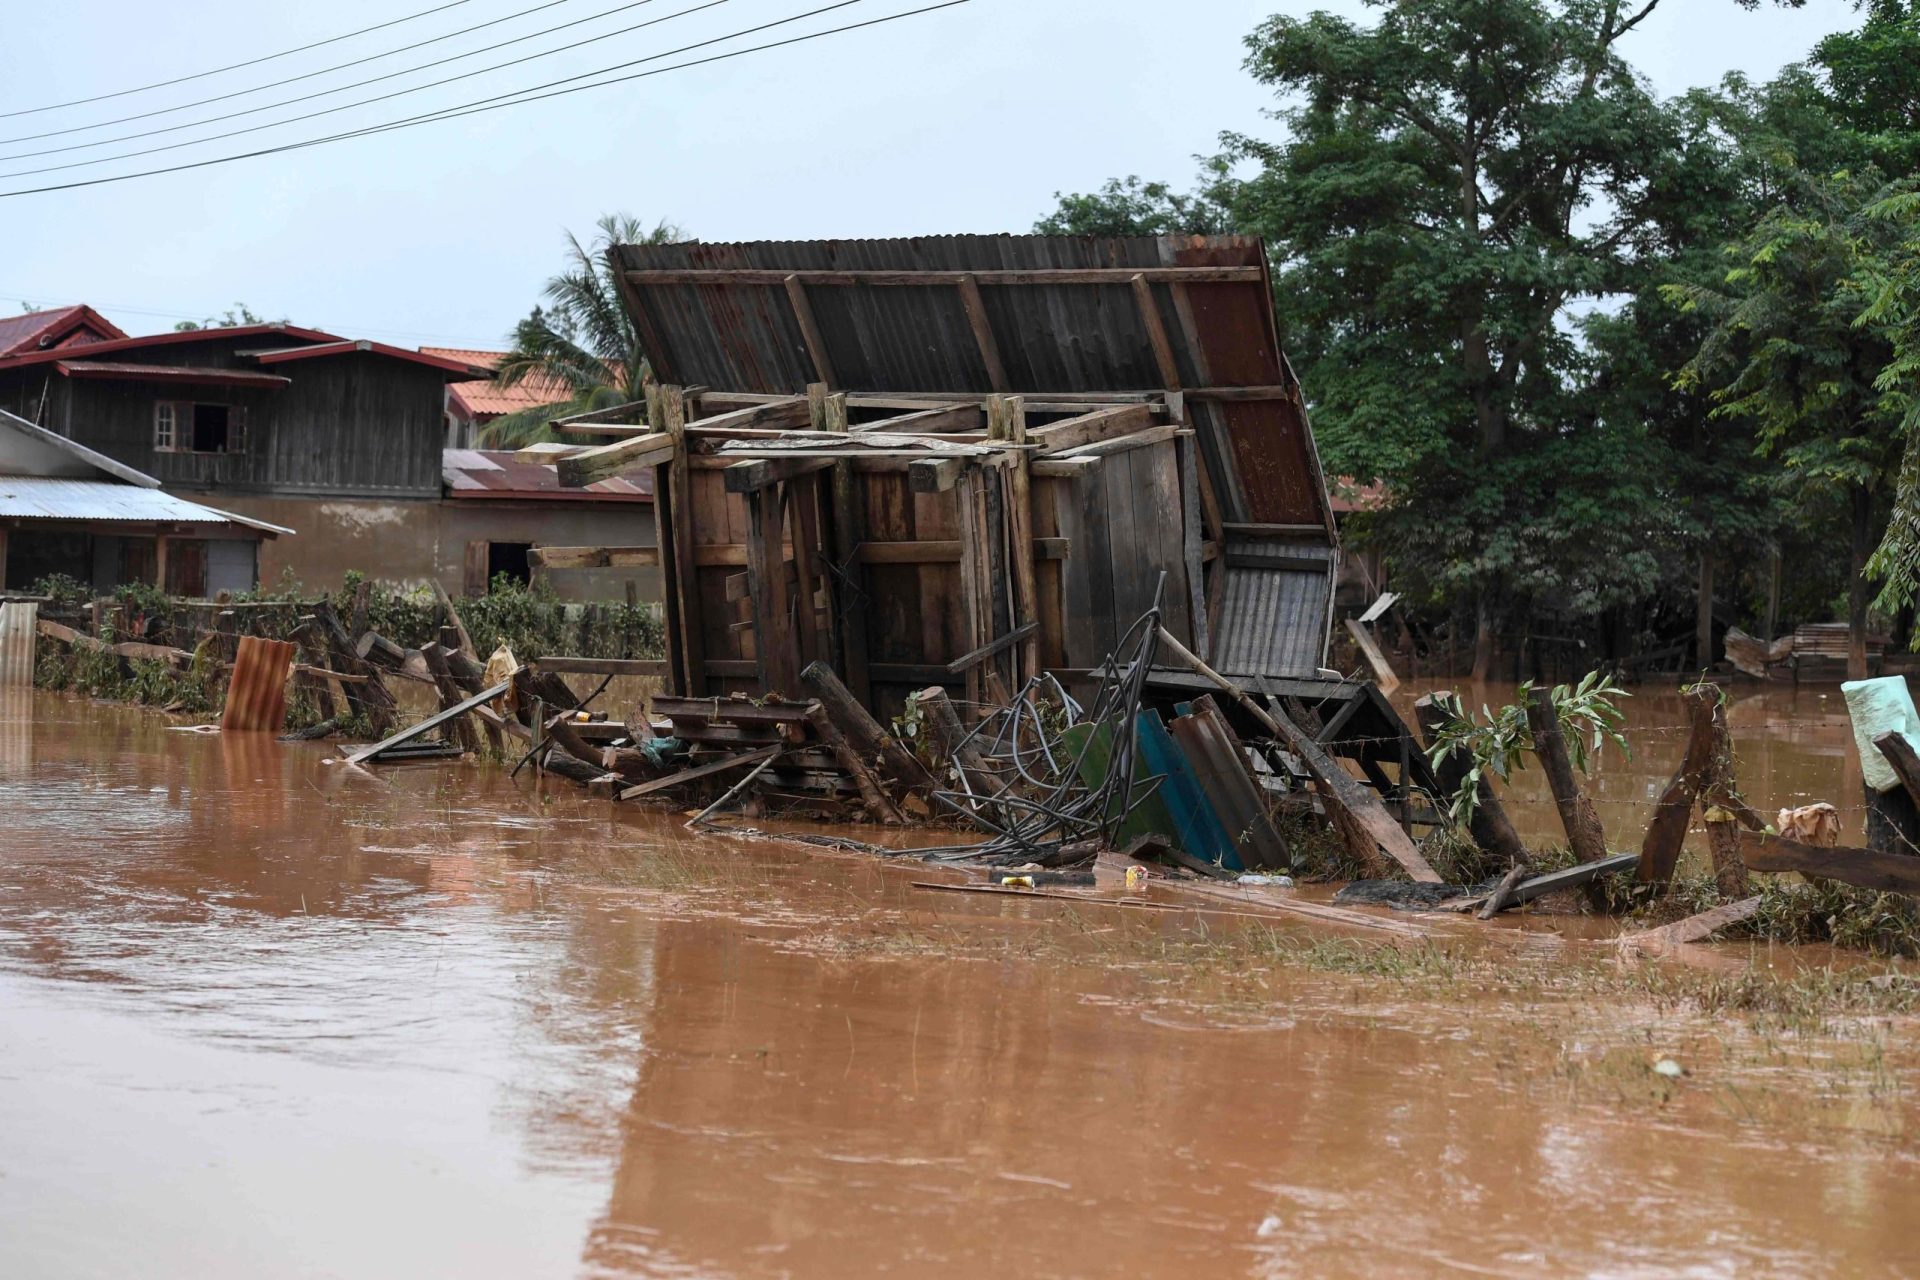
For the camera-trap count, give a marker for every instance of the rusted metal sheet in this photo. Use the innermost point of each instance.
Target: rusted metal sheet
(18, 627)
(257, 691)
(1048, 337)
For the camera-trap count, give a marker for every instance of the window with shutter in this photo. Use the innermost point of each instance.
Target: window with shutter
(237, 429)
(165, 421)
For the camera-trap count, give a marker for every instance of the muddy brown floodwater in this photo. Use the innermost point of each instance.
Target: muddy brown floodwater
(263, 1016)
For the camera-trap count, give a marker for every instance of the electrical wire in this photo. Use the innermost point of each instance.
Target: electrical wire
(357, 84)
(519, 97)
(234, 66)
(349, 106)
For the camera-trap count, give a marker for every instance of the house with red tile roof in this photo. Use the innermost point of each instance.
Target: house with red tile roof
(471, 405)
(343, 439)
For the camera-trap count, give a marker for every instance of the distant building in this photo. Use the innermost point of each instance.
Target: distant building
(473, 404)
(339, 438)
(65, 509)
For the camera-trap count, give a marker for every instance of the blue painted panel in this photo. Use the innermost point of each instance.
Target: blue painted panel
(1197, 826)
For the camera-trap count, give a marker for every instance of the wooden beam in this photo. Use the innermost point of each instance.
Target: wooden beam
(1101, 424)
(670, 406)
(810, 334)
(757, 473)
(934, 475)
(1156, 331)
(1121, 444)
(632, 412)
(897, 278)
(431, 722)
(1695, 928)
(976, 308)
(608, 460)
(1889, 872)
(699, 771)
(787, 413)
(593, 557)
(1905, 761)
(961, 664)
(941, 418)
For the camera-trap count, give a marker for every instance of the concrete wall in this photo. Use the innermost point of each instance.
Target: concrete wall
(411, 542)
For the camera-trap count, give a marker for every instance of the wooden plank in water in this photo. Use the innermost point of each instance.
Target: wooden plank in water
(1867, 868)
(431, 722)
(700, 771)
(1694, 928)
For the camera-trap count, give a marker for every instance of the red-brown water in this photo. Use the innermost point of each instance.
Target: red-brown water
(263, 1016)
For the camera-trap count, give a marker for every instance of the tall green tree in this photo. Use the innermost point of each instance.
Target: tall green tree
(581, 338)
(1457, 181)
(1798, 364)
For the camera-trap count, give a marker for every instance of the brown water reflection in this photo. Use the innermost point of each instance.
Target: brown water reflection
(262, 1016)
(1794, 746)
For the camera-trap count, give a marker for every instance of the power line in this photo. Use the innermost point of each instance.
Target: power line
(235, 66)
(347, 106)
(261, 88)
(517, 98)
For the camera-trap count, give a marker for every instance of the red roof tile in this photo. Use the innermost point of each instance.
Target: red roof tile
(485, 399)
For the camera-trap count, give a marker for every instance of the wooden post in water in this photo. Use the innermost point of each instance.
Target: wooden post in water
(1584, 833)
(1490, 827)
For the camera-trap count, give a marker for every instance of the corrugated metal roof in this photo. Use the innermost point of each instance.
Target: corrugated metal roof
(504, 474)
(54, 498)
(734, 332)
(485, 399)
(746, 336)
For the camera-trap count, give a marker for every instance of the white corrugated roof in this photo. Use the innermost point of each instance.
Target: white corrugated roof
(58, 498)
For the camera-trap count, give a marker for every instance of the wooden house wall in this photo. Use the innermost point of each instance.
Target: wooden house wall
(348, 425)
(1124, 520)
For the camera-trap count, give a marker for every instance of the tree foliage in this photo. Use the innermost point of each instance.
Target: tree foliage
(1494, 249)
(582, 338)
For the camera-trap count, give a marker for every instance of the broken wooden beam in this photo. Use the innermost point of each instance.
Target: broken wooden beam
(872, 794)
(863, 732)
(1339, 789)
(430, 723)
(1867, 868)
(1573, 877)
(698, 771)
(609, 460)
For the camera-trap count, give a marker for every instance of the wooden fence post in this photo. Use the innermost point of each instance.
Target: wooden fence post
(1584, 833)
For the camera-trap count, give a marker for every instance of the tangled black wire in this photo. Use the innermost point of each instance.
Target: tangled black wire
(1040, 802)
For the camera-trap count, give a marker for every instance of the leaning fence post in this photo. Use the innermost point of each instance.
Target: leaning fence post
(1490, 827)
(1584, 834)
(1723, 841)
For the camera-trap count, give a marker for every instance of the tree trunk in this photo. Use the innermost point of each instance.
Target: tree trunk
(1482, 641)
(1857, 591)
(1703, 622)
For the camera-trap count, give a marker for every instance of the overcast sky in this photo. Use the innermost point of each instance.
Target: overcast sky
(963, 120)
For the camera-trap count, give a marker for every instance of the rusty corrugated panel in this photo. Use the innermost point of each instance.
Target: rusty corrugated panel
(1273, 615)
(19, 625)
(257, 691)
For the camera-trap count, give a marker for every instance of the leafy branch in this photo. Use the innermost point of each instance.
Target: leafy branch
(1498, 742)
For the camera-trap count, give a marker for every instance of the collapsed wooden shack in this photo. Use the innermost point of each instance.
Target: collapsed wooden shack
(960, 460)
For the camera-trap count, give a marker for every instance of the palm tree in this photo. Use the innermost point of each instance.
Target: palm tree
(582, 340)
